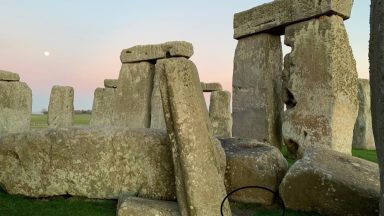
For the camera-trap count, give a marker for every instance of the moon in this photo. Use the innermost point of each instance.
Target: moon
(46, 53)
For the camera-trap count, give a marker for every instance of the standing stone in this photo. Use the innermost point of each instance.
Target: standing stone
(320, 86)
(15, 105)
(103, 107)
(157, 113)
(376, 76)
(220, 113)
(60, 109)
(199, 183)
(362, 133)
(257, 104)
(133, 95)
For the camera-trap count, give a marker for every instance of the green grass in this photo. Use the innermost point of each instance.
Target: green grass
(365, 154)
(41, 121)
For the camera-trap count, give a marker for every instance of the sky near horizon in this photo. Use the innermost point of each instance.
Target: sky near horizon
(78, 43)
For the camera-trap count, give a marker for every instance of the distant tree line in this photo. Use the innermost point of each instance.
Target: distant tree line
(45, 111)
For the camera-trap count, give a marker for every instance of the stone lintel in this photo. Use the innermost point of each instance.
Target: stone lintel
(210, 87)
(9, 76)
(110, 83)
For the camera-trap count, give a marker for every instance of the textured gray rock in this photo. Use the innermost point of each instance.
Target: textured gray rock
(15, 107)
(60, 109)
(104, 101)
(134, 206)
(376, 71)
(102, 162)
(133, 95)
(157, 113)
(110, 83)
(362, 133)
(256, 103)
(8, 76)
(199, 183)
(252, 163)
(275, 16)
(332, 183)
(320, 86)
(157, 51)
(220, 113)
(210, 87)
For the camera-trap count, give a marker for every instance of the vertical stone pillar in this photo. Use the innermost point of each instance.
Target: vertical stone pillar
(157, 113)
(103, 107)
(15, 103)
(320, 86)
(60, 109)
(220, 113)
(376, 76)
(257, 104)
(362, 133)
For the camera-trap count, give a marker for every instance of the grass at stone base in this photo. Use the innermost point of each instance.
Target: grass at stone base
(40, 121)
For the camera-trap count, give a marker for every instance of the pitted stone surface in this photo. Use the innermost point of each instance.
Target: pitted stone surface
(196, 158)
(250, 163)
(134, 206)
(133, 95)
(157, 113)
(8, 76)
(15, 107)
(110, 83)
(210, 87)
(257, 104)
(104, 101)
(157, 51)
(60, 109)
(102, 162)
(320, 86)
(275, 16)
(362, 133)
(332, 183)
(220, 113)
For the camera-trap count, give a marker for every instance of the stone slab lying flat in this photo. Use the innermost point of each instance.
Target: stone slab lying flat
(332, 183)
(134, 206)
(102, 162)
(110, 83)
(276, 15)
(8, 76)
(156, 51)
(210, 87)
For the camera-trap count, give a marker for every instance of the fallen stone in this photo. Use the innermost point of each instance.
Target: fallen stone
(8, 76)
(102, 162)
(332, 183)
(257, 105)
(157, 51)
(15, 107)
(133, 95)
(252, 163)
(134, 206)
(220, 113)
(320, 86)
(210, 87)
(275, 16)
(199, 183)
(362, 133)
(104, 101)
(110, 83)
(157, 113)
(60, 109)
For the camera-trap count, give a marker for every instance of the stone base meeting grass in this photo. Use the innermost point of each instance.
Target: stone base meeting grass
(16, 205)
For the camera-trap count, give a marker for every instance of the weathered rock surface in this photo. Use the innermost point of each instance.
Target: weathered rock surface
(220, 113)
(332, 183)
(60, 109)
(15, 107)
(8, 76)
(199, 183)
(156, 51)
(362, 133)
(252, 163)
(104, 101)
(320, 86)
(275, 16)
(257, 104)
(102, 162)
(157, 113)
(134, 206)
(133, 95)
(110, 83)
(210, 87)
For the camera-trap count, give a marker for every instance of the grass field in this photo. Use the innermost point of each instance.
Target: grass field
(13, 205)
